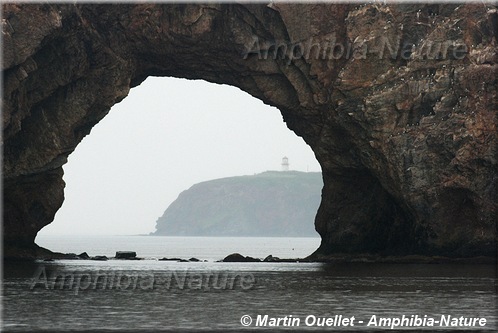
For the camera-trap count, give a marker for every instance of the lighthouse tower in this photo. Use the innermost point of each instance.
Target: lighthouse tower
(285, 164)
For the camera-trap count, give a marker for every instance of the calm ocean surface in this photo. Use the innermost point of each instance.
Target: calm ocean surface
(152, 295)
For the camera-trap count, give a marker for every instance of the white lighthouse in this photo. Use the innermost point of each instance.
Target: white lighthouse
(285, 164)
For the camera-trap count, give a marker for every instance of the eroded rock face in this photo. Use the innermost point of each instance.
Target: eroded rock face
(398, 102)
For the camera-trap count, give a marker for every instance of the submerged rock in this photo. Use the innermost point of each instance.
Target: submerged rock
(99, 258)
(173, 259)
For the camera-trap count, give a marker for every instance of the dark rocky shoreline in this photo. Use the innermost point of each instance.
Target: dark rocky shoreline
(40, 253)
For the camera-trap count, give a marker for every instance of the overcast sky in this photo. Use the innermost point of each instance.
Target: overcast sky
(167, 135)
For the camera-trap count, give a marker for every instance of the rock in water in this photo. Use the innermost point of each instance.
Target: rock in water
(125, 255)
(237, 257)
(99, 258)
(83, 255)
(271, 258)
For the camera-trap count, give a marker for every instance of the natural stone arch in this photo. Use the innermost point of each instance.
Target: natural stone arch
(400, 174)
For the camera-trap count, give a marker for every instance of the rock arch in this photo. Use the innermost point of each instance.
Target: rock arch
(406, 139)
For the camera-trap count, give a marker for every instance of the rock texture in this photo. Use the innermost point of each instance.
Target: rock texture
(405, 132)
(268, 204)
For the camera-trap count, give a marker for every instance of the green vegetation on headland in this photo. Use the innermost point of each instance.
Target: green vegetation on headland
(271, 203)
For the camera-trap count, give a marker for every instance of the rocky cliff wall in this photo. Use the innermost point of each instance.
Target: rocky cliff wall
(397, 101)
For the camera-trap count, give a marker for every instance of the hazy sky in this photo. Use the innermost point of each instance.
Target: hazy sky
(167, 135)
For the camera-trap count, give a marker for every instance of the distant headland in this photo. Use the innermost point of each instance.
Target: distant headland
(271, 203)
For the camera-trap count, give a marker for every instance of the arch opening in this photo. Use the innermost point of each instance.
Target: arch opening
(166, 136)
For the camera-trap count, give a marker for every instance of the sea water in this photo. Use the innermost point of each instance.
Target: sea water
(153, 295)
(205, 248)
